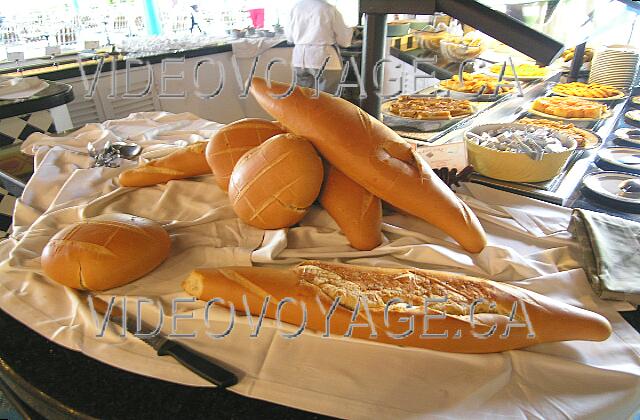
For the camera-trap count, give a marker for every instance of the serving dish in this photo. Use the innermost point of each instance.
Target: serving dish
(586, 139)
(557, 90)
(626, 159)
(393, 120)
(515, 167)
(473, 83)
(628, 135)
(495, 69)
(633, 116)
(606, 185)
(579, 122)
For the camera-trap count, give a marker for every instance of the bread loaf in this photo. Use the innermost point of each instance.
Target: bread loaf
(355, 210)
(372, 155)
(105, 252)
(317, 284)
(183, 163)
(273, 185)
(232, 141)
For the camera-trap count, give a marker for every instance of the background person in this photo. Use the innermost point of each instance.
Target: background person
(317, 29)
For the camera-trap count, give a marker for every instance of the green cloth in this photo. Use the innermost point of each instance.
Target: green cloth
(611, 253)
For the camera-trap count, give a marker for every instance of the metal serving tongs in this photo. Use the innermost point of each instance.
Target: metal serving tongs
(111, 153)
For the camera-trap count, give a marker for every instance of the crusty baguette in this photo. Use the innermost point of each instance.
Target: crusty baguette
(183, 163)
(315, 283)
(372, 155)
(355, 210)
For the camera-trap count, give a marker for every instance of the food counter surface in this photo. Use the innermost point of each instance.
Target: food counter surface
(317, 375)
(67, 66)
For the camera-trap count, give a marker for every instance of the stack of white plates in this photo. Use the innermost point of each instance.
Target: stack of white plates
(615, 65)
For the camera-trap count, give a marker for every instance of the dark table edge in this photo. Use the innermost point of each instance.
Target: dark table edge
(35, 399)
(36, 104)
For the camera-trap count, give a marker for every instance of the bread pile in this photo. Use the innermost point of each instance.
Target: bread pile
(321, 148)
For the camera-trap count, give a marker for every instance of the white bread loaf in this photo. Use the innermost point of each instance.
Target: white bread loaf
(317, 284)
(183, 163)
(105, 252)
(273, 185)
(372, 155)
(355, 210)
(232, 141)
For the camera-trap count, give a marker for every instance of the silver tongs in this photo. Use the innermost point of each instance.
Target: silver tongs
(111, 153)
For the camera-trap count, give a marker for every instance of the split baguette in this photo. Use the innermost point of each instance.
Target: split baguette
(317, 283)
(183, 163)
(355, 210)
(372, 155)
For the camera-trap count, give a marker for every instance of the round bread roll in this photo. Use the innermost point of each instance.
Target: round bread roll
(105, 252)
(232, 141)
(273, 185)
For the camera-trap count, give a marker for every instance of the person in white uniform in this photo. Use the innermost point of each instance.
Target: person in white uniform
(317, 29)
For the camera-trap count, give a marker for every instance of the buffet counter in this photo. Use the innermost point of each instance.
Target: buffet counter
(528, 246)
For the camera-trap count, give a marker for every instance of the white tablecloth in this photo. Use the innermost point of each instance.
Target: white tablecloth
(528, 245)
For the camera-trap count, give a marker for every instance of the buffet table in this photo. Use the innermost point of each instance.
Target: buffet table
(529, 245)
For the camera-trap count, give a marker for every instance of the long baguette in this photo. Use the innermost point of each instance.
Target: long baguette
(183, 163)
(318, 284)
(372, 155)
(355, 210)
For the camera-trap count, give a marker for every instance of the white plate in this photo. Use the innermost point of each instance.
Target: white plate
(606, 184)
(623, 133)
(614, 155)
(633, 115)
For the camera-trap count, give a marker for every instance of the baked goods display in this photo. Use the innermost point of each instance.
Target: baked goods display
(355, 210)
(183, 163)
(105, 252)
(568, 54)
(474, 83)
(587, 90)
(273, 185)
(568, 107)
(460, 48)
(372, 155)
(394, 294)
(525, 70)
(582, 137)
(430, 108)
(232, 141)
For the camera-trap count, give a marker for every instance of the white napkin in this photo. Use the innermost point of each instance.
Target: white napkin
(335, 376)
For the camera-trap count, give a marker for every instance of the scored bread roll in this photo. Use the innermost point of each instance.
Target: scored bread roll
(105, 252)
(355, 210)
(273, 185)
(232, 141)
(183, 163)
(317, 284)
(372, 155)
